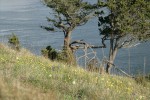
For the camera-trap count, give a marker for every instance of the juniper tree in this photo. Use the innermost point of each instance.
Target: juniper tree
(67, 15)
(128, 21)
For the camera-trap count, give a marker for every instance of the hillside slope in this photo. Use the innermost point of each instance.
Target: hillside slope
(24, 76)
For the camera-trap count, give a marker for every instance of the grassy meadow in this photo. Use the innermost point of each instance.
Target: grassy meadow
(24, 76)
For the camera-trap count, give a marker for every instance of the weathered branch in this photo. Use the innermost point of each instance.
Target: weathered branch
(80, 44)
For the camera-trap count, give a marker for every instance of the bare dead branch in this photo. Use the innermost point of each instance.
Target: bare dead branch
(80, 44)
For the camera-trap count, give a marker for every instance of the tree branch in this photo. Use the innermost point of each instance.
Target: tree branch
(80, 44)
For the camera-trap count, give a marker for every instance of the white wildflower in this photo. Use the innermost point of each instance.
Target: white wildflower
(50, 75)
(74, 82)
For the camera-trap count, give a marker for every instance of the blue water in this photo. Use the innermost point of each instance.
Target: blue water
(24, 18)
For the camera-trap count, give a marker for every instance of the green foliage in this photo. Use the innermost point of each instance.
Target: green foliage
(61, 56)
(67, 56)
(50, 53)
(14, 42)
(68, 14)
(126, 17)
(127, 23)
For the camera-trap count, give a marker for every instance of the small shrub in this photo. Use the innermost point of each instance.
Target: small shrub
(50, 53)
(14, 42)
(147, 77)
(44, 53)
(67, 56)
(93, 66)
(62, 56)
(141, 80)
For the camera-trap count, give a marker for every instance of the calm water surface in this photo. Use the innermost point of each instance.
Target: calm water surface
(24, 17)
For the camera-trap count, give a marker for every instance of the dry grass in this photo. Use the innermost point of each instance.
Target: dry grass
(28, 77)
(19, 91)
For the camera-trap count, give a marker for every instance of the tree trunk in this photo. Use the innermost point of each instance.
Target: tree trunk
(111, 61)
(67, 39)
(112, 55)
(69, 56)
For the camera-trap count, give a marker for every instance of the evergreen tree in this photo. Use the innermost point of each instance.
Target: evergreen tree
(68, 14)
(128, 21)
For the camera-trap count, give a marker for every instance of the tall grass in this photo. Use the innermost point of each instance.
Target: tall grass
(24, 76)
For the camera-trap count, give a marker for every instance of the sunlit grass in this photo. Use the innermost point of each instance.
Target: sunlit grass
(58, 81)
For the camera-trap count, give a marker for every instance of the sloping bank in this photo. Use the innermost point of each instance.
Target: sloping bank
(24, 76)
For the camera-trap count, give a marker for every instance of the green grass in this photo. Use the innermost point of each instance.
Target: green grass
(24, 76)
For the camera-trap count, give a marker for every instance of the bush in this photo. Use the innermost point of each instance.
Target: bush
(143, 80)
(62, 56)
(44, 52)
(147, 77)
(14, 42)
(67, 56)
(50, 53)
